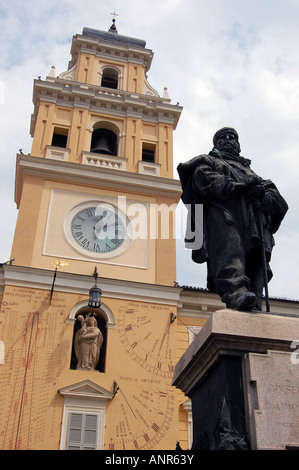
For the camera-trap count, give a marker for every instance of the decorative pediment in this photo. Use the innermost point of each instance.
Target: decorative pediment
(86, 389)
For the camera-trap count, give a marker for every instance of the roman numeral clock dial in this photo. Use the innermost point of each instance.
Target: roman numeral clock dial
(145, 399)
(96, 230)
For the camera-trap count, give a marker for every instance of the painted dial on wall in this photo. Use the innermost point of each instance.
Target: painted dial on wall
(144, 406)
(148, 342)
(98, 229)
(142, 417)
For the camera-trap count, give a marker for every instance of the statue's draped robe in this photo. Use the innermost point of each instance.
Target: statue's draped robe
(88, 342)
(231, 237)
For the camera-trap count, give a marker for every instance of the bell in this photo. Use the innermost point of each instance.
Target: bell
(103, 141)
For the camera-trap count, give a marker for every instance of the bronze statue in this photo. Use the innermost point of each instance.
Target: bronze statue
(241, 212)
(88, 342)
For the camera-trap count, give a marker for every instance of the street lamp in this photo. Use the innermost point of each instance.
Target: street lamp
(95, 292)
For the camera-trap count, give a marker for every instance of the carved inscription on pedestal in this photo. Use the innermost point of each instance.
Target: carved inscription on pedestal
(273, 400)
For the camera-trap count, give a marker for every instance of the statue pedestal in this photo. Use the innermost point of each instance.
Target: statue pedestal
(241, 373)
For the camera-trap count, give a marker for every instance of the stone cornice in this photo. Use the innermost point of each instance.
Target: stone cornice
(120, 103)
(35, 278)
(120, 51)
(89, 175)
(199, 304)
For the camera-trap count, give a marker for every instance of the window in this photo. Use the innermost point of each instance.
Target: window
(59, 138)
(148, 152)
(110, 78)
(83, 420)
(82, 431)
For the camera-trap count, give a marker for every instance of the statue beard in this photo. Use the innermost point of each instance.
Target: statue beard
(231, 147)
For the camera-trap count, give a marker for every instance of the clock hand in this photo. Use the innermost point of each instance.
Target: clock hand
(98, 228)
(100, 225)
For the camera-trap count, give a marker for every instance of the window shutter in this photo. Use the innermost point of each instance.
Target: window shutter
(82, 431)
(74, 431)
(90, 432)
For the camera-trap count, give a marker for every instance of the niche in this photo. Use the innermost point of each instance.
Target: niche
(86, 339)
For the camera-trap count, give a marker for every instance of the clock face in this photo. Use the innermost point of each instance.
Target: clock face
(97, 229)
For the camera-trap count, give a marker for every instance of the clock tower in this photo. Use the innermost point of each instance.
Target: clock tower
(97, 190)
(99, 176)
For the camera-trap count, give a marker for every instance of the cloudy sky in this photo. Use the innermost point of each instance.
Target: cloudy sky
(227, 62)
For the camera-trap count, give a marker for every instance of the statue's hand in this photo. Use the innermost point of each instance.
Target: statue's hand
(232, 188)
(256, 194)
(253, 180)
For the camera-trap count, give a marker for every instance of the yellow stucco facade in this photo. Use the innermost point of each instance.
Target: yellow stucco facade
(141, 413)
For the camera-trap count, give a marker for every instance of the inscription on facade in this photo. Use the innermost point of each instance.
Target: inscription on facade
(33, 354)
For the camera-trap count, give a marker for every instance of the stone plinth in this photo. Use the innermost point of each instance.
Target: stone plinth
(242, 376)
(272, 386)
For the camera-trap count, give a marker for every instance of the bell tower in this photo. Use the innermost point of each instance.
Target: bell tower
(101, 135)
(96, 190)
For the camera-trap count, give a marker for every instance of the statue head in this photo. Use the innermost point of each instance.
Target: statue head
(91, 320)
(227, 140)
